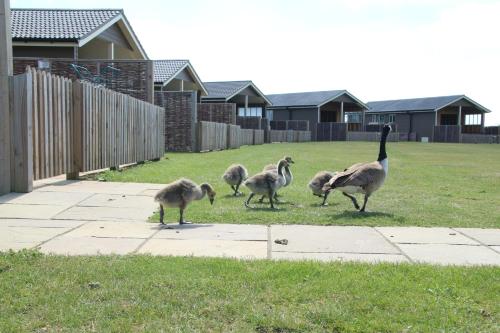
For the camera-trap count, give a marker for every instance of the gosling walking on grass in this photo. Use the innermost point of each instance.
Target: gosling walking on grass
(234, 175)
(316, 185)
(180, 193)
(266, 183)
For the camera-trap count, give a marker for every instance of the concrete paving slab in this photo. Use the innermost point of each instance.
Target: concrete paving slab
(26, 237)
(149, 192)
(85, 187)
(485, 236)
(239, 232)
(105, 214)
(29, 211)
(137, 188)
(445, 254)
(206, 248)
(418, 235)
(115, 230)
(44, 198)
(119, 200)
(66, 245)
(32, 223)
(496, 248)
(302, 238)
(327, 257)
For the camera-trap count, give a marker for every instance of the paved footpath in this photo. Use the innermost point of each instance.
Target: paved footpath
(89, 218)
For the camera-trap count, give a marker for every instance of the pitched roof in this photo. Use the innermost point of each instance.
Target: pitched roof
(419, 104)
(164, 70)
(228, 89)
(225, 89)
(58, 24)
(311, 98)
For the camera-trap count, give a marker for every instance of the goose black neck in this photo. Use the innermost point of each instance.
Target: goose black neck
(382, 155)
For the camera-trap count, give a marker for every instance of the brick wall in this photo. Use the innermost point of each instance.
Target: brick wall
(217, 112)
(180, 119)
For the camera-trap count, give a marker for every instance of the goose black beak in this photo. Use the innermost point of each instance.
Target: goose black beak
(211, 201)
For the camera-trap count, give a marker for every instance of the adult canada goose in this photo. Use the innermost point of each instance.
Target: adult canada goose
(266, 183)
(180, 193)
(286, 173)
(316, 184)
(234, 176)
(363, 178)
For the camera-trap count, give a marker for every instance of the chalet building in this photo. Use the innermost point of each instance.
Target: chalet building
(333, 106)
(420, 116)
(74, 34)
(249, 100)
(177, 75)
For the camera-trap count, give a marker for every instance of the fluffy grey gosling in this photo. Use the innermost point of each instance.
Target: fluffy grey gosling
(235, 175)
(266, 183)
(316, 185)
(180, 193)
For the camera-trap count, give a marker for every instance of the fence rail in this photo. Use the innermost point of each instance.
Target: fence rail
(64, 127)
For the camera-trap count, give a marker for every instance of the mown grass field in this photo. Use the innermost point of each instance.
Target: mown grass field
(165, 294)
(428, 184)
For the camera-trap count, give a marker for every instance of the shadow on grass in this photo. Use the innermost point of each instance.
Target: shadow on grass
(266, 209)
(356, 215)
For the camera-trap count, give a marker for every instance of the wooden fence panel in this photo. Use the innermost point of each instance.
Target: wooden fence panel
(258, 137)
(233, 136)
(123, 129)
(446, 133)
(246, 137)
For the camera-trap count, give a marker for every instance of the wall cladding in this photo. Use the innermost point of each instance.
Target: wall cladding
(129, 77)
(297, 125)
(217, 112)
(180, 119)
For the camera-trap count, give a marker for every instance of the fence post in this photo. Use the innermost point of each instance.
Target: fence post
(76, 126)
(5, 73)
(21, 129)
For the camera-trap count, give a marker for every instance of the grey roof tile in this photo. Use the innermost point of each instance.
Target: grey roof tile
(224, 89)
(312, 98)
(413, 104)
(58, 24)
(164, 69)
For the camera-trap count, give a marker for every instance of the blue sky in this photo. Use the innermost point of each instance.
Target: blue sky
(386, 49)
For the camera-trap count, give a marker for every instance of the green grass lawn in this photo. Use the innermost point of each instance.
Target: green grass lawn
(428, 184)
(165, 294)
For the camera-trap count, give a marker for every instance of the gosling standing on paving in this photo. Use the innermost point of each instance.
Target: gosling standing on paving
(180, 193)
(234, 176)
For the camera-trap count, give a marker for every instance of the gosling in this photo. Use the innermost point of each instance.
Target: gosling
(266, 183)
(316, 185)
(180, 193)
(234, 176)
(286, 173)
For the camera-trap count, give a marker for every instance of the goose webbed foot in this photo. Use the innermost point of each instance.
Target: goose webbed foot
(261, 200)
(185, 222)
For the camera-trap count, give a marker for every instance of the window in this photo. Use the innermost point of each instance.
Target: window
(250, 112)
(375, 119)
(269, 114)
(353, 117)
(472, 119)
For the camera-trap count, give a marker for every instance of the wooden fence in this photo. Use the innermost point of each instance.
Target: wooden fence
(258, 137)
(115, 128)
(64, 127)
(211, 136)
(446, 133)
(246, 137)
(233, 136)
(331, 132)
(290, 136)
